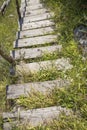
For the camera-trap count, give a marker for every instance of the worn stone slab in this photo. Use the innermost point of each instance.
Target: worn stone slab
(34, 7)
(36, 32)
(27, 42)
(35, 52)
(33, 117)
(39, 17)
(36, 12)
(33, 2)
(38, 24)
(17, 90)
(22, 1)
(26, 8)
(35, 67)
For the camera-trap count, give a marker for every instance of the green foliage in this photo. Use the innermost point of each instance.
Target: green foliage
(8, 28)
(73, 97)
(68, 14)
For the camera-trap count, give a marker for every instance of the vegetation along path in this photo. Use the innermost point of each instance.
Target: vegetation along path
(42, 74)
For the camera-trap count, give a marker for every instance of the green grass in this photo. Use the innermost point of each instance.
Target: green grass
(43, 74)
(8, 28)
(73, 97)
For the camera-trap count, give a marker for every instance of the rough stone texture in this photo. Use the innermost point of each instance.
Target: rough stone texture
(27, 42)
(39, 17)
(36, 32)
(35, 52)
(17, 90)
(33, 117)
(38, 24)
(32, 68)
(34, 7)
(36, 12)
(33, 2)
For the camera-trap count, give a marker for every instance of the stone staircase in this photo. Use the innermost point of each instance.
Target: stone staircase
(35, 38)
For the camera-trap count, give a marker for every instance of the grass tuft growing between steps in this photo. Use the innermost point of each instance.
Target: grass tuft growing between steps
(44, 74)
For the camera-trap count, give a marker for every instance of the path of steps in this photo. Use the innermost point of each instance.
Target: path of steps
(35, 38)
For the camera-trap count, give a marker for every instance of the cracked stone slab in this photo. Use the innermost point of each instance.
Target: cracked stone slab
(35, 52)
(27, 42)
(35, 67)
(39, 17)
(36, 32)
(16, 90)
(38, 24)
(33, 117)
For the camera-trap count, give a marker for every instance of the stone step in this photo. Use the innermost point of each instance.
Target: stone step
(33, 117)
(33, 2)
(34, 7)
(38, 24)
(30, 3)
(35, 52)
(39, 17)
(35, 67)
(23, 1)
(35, 32)
(35, 12)
(26, 8)
(16, 90)
(27, 42)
